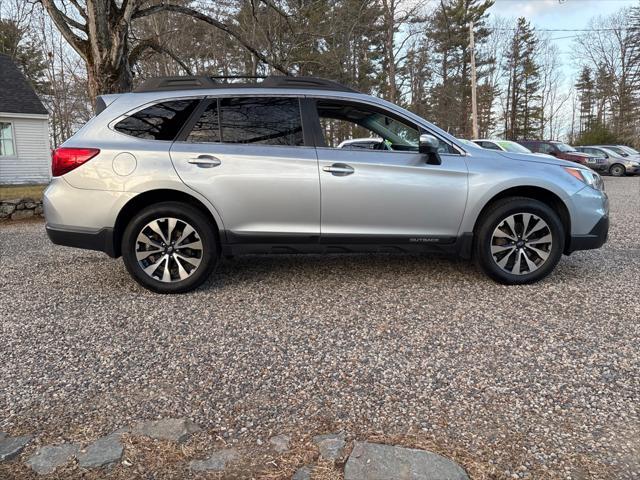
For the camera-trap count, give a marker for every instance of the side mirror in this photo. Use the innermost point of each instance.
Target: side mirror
(428, 145)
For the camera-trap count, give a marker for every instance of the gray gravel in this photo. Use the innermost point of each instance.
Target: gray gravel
(533, 380)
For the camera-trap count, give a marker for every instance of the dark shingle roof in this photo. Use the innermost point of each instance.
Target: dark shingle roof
(16, 94)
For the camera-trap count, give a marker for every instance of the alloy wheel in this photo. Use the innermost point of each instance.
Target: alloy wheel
(521, 243)
(169, 249)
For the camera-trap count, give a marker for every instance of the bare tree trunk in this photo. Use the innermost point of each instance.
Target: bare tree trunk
(106, 51)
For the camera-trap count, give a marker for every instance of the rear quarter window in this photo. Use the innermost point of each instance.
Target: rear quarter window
(161, 121)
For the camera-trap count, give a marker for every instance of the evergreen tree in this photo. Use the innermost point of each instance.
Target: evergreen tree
(448, 32)
(29, 57)
(523, 108)
(585, 87)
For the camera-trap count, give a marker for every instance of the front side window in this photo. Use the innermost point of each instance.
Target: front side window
(161, 121)
(6, 140)
(342, 122)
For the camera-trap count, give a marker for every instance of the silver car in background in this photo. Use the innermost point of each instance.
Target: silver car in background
(618, 165)
(187, 169)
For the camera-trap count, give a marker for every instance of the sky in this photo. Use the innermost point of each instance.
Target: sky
(560, 14)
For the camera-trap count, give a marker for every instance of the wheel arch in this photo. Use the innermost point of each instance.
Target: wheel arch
(150, 197)
(537, 193)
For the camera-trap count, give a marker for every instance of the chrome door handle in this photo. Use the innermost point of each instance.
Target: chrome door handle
(205, 161)
(339, 169)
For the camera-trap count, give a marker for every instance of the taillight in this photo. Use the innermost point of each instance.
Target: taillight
(64, 160)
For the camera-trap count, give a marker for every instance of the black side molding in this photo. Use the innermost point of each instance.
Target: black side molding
(102, 240)
(594, 239)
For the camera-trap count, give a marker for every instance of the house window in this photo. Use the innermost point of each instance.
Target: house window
(6, 140)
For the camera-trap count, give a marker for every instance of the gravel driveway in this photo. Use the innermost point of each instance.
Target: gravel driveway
(540, 380)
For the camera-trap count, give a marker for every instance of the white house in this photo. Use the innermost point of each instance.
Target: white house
(24, 129)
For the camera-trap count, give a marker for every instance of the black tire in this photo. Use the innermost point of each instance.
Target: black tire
(617, 170)
(496, 215)
(204, 231)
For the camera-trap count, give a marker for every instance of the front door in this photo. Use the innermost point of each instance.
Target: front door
(383, 189)
(247, 155)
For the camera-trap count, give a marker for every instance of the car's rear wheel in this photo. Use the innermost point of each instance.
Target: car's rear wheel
(170, 247)
(519, 240)
(617, 170)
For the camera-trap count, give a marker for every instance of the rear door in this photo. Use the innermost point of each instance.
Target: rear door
(248, 156)
(389, 194)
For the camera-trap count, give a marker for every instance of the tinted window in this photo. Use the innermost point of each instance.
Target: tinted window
(207, 128)
(270, 121)
(161, 121)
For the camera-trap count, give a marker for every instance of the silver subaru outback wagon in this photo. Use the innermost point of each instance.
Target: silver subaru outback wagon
(187, 169)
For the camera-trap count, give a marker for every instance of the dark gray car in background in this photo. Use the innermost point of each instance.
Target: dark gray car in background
(618, 165)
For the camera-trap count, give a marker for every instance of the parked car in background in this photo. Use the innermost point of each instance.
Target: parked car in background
(468, 143)
(505, 146)
(631, 150)
(618, 165)
(622, 150)
(187, 169)
(565, 152)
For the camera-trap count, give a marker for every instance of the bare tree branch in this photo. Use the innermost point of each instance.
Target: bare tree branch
(153, 44)
(211, 21)
(79, 45)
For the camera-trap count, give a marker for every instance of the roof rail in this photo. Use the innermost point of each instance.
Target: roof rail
(210, 82)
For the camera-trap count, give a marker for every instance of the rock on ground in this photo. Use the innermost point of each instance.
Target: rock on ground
(373, 461)
(21, 214)
(303, 473)
(331, 445)
(280, 443)
(173, 429)
(48, 458)
(11, 447)
(216, 462)
(103, 452)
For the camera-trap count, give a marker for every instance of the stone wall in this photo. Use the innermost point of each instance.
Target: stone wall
(20, 208)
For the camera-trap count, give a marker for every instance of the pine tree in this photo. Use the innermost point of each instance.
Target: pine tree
(29, 57)
(585, 87)
(448, 32)
(523, 108)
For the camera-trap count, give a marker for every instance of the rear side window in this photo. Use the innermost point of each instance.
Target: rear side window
(207, 128)
(161, 121)
(267, 121)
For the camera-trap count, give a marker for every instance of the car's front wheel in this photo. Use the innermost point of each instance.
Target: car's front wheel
(617, 170)
(170, 247)
(519, 240)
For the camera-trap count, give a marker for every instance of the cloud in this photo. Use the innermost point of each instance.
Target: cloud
(525, 8)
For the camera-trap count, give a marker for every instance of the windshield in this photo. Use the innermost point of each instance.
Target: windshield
(632, 151)
(563, 147)
(467, 142)
(618, 150)
(513, 146)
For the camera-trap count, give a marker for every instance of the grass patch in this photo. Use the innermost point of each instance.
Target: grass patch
(8, 192)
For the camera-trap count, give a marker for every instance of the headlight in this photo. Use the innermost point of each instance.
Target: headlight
(588, 177)
(634, 164)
